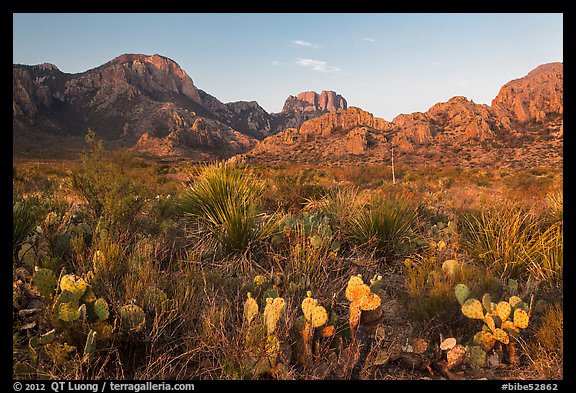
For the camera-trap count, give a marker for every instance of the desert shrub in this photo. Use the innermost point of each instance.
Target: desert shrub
(23, 223)
(510, 242)
(223, 200)
(381, 225)
(290, 192)
(112, 196)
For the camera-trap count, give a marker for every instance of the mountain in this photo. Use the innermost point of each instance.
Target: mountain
(151, 106)
(145, 103)
(522, 128)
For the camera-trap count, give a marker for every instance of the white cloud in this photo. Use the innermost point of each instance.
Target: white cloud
(317, 65)
(274, 63)
(369, 39)
(305, 44)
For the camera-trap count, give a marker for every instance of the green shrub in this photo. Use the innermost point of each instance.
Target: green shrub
(381, 226)
(511, 242)
(224, 200)
(23, 223)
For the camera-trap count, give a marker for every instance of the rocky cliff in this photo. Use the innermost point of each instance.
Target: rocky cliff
(523, 127)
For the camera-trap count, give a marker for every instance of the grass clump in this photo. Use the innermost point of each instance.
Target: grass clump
(23, 223)
(511, 242)
(380, 227)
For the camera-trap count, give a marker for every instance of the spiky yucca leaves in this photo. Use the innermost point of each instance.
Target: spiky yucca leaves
(224, 201)
(509, 241)
(381, 225)
(23, 223)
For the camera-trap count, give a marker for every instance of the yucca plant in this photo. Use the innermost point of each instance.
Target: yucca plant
(381, 225)
(511, 242)
(223, 200)
(23, 223)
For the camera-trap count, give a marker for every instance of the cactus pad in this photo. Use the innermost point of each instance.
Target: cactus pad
(447, 344)
(101, 309)
(501, 336)
(250, 308)
(319, 316)
(355, 314)
(521, 318)
(450, 267)
(489, 321)
(300, 324)
(68, 312)
(356, 288)
(45, 281)
(486, 301)
(477, 356)
(514, 301)
(512, 286)
(272, 348)
(509, 325)
(503, 309)
(419, 345)
(485, 339)
(472, 308)
(74, 284)
(133, 317)
(370, 302)
(462, 292)
(154, 298)
(456, 356)
(308, 305)
(272, 312)
(90, 345)
(89, 296)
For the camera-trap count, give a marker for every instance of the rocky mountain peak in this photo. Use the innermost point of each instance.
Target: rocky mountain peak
(310, 101)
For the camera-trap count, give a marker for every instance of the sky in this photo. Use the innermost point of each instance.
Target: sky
(387, 64)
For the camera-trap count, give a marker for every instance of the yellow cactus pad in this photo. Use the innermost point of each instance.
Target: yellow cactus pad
(370, 302)
(250, 308)
(485, 339)
(319, 316)
(74, 284)
(308, 305)
(356, 288)
(472, 308)
(509, 325)
(447, 344)
(514, 300)
(503, 309)
(489, 321)
(521, 318)
(501, 336)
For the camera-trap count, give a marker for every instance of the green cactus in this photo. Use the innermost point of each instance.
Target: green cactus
(154, 298)
(47, 338)
(68, 312)
(477, 356)
(512, 286)
(104, 330)
(133, 317)
(472, 308)
(89, 296)
(45, 282)
(90, 345)
(101, 309)
(272, 348)
(514, 301)
(462, 292)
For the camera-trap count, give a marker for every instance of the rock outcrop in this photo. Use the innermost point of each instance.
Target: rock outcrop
(533, 97)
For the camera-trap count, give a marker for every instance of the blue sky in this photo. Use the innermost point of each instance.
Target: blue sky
(387, 64)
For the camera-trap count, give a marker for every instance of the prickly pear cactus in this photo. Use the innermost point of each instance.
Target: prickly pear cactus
(477, 356)
(486, 302)
(450, 267)
(472, 308)
(521, 318)
(45, 282)
(501, 336)
(462, 292)
(104, 330)
(68, 312)
(315, 314)
(489, 321)
(101, 309)
(447, 344)
(485, 339)
(250, 309)
(503, 309)
(74, 284)
(133, 317)
(272, 313)
(90, 345)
